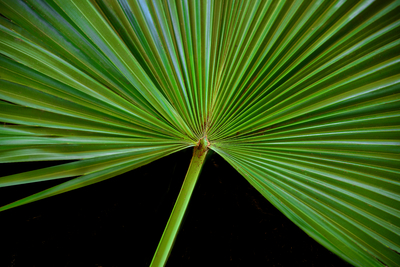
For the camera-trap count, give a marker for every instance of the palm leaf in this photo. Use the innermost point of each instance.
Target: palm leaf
(300, 97)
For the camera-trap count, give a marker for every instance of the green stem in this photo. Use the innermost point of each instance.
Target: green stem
(171, 230)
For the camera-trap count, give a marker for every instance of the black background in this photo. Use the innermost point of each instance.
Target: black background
(119, 222)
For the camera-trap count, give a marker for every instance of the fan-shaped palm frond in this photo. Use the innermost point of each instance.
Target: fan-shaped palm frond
(301, 97)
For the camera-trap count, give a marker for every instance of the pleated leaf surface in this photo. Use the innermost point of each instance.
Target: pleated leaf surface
(300, 97)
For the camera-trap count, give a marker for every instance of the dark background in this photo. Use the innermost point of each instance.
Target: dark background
(119, 222)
